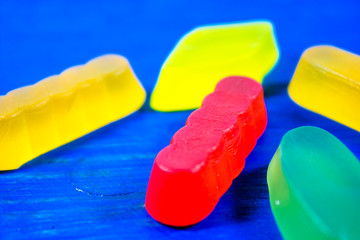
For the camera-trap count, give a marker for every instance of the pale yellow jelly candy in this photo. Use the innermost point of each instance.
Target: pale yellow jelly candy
(208, 54)
(327, 81)
(36, 119)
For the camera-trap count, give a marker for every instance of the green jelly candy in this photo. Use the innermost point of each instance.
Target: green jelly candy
(314, 186)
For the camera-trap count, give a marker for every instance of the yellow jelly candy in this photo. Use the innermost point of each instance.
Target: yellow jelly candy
(38, 118)
(327, 81)
(208, 54)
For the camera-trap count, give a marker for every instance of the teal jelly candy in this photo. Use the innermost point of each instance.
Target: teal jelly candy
(314, 186)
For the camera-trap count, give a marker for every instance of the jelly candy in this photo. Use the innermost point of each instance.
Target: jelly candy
(314, 183)
(36, 119)
(327, 81)
(208, 54)
(195, 170)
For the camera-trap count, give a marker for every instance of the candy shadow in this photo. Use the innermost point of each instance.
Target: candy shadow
(249, 193)
(273, 88)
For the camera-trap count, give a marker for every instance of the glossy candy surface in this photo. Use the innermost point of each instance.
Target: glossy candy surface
(195, 170)
(327, 81)
(314, 186)
(207, 54)
(38, 118)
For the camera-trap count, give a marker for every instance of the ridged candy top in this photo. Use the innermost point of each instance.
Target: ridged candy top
(33, 96)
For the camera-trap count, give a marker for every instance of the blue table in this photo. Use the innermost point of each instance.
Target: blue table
(94, 187)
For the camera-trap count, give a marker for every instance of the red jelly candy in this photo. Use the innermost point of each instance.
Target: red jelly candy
(191, 174)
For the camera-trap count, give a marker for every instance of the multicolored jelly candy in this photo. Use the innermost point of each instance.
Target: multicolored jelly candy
(196, 169)
(38, 118)
(207, 54)
(327, 81)
(314, 186)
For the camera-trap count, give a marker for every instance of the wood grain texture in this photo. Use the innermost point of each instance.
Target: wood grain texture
(94, 188)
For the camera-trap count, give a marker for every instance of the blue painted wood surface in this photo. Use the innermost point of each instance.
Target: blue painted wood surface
(94, 188)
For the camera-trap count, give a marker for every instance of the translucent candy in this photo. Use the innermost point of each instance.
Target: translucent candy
(38, 118)
(327, 81)
(314, 186)
(208, 54)
(195, 170)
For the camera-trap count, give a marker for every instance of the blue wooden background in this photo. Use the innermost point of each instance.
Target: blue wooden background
(94, 188)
